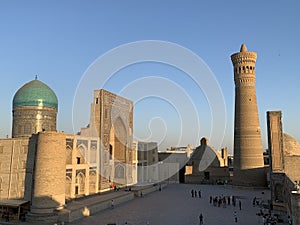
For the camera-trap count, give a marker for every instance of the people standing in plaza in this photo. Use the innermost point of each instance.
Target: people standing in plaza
(199, 194)
(112, 204)
(201, 219)
(192, 191)
(240, 204)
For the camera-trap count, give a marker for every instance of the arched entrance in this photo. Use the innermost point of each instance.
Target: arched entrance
(118, 150)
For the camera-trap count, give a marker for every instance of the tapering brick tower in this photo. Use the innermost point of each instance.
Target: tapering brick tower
(248, 152)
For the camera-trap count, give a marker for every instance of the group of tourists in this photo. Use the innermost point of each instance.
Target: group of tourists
(218, 201)
(268, 218)
(196, 193)
(224, 200)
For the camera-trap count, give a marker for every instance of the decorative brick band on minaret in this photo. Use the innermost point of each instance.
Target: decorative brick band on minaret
(248, 152)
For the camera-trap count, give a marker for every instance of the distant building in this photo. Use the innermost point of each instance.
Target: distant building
(147, 162)
(207, 166)
(172, 163)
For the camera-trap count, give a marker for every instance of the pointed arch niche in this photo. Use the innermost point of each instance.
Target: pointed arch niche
(118, 141)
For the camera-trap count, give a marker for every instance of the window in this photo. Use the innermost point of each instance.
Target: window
(76, 190)
(206, 175)
(78, 160)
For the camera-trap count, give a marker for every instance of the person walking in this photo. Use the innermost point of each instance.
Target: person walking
(201, 219)
(235, 216)
(253, 201)
(112, 204)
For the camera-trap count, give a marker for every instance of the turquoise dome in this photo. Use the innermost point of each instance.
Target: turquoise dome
(35, 93)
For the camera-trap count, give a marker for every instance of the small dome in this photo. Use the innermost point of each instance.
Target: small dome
(35, 93)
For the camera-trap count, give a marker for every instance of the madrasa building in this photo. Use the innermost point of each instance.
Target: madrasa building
(41, 168)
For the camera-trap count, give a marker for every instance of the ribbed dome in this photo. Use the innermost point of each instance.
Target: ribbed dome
(35, 93)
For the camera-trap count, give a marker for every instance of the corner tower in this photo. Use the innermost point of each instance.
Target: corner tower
(248, 152)
(34, 109)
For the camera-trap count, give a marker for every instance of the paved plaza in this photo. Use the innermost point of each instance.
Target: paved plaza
(174, 205)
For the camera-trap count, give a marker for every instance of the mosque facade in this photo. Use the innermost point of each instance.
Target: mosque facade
(46, 168)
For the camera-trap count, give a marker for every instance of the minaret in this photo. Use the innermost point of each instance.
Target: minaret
(248, 152)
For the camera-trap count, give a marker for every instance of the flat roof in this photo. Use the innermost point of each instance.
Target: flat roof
(12, 202)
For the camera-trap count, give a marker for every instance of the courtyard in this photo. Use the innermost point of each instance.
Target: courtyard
(174, 205)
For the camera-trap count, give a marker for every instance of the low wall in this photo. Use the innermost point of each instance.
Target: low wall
(148, 189)
(90, 206)
(90, 209)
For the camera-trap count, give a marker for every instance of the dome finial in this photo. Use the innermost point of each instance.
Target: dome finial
(243, 48)
(36, 77)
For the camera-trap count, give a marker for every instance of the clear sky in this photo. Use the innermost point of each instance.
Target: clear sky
(59, 40)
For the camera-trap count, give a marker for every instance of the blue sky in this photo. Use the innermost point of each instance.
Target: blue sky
(59, 40)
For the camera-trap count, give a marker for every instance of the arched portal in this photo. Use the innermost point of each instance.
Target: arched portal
(118, 151)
